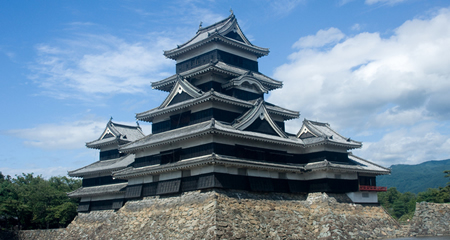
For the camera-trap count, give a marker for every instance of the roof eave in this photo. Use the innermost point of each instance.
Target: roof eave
(258, 51)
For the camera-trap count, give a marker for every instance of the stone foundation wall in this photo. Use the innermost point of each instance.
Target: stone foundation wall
(431, 219)
(231, 215)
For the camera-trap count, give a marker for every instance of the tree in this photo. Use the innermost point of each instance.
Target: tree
(447, 175)
(32, 202)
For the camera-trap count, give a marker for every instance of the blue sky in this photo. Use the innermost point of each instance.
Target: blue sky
(376, 70)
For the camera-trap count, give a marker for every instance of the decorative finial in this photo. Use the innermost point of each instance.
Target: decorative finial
(200, 26)
(231, 11)
(110, 119)
(137, 123)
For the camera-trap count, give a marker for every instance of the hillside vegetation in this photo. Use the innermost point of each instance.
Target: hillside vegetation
(402, 205)
(415, 178)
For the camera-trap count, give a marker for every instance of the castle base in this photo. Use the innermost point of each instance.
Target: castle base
(219, 214)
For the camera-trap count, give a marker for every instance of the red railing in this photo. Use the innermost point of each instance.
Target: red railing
(372, 188)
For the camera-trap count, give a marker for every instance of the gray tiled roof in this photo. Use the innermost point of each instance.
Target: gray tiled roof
(209, 127)
(216, 96)
(123, 134)
(168, 136)
(103, 166)
(368, 165)
(98, 190)
(210, 159)
(358, 165)
(325, 132)
(216, 32)
(218, 66)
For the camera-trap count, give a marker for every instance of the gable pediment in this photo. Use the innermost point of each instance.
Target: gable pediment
(306, 132)
(181, 91)
(107, 134)
(258, 119)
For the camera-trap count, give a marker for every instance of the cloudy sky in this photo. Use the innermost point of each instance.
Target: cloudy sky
(376, 70)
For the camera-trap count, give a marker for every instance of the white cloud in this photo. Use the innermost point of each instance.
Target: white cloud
(282, 7)
(92, 66)
(409, 145)
(68, 135)
(45, 172)
(322, 38)
(388, 2)
(356, 27)
(367, 83)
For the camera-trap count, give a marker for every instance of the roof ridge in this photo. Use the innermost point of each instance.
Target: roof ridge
(203, 29)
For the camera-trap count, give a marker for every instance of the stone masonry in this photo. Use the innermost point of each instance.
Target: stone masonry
(431, 219)
(218, 214)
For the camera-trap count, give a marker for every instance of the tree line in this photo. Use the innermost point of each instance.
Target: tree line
(403, 205)
(32, 202)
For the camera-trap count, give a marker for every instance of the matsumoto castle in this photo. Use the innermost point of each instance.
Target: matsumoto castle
(214, 130)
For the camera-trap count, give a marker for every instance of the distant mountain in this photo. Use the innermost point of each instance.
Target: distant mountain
(416, 178)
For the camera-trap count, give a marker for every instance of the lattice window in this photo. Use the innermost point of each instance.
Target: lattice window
(83, 207)
(261, 184)
(149, 189)
(296, 186)
(172, 186)
(133, 191)
(117, 204)
(206, 181)
(189, 183)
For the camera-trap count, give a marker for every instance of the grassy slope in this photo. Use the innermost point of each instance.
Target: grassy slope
(416, 178)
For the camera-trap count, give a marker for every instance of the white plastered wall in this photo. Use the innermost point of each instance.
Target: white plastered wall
(363, 197)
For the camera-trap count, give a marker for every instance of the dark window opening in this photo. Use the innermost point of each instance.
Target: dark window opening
(180, 120)
(367, 181)
(188, 118)
(111, 154)
(220, 56)
(89, 182)
(244, 95)
(170, 156)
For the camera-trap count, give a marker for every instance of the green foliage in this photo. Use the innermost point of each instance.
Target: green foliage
(416, 178)
(402, 205)
(32, 202)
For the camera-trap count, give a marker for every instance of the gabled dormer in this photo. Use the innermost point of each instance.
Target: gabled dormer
(112, 137)
(181, 91)
(257, 119)
(314, 133)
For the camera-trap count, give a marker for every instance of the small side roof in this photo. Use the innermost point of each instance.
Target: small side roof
(98, 190)
(116, 133)
(227, 31)
(358, 165)
(105, 166)
(311, 131)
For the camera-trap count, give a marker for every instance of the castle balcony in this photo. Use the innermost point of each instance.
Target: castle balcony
(372, 188)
